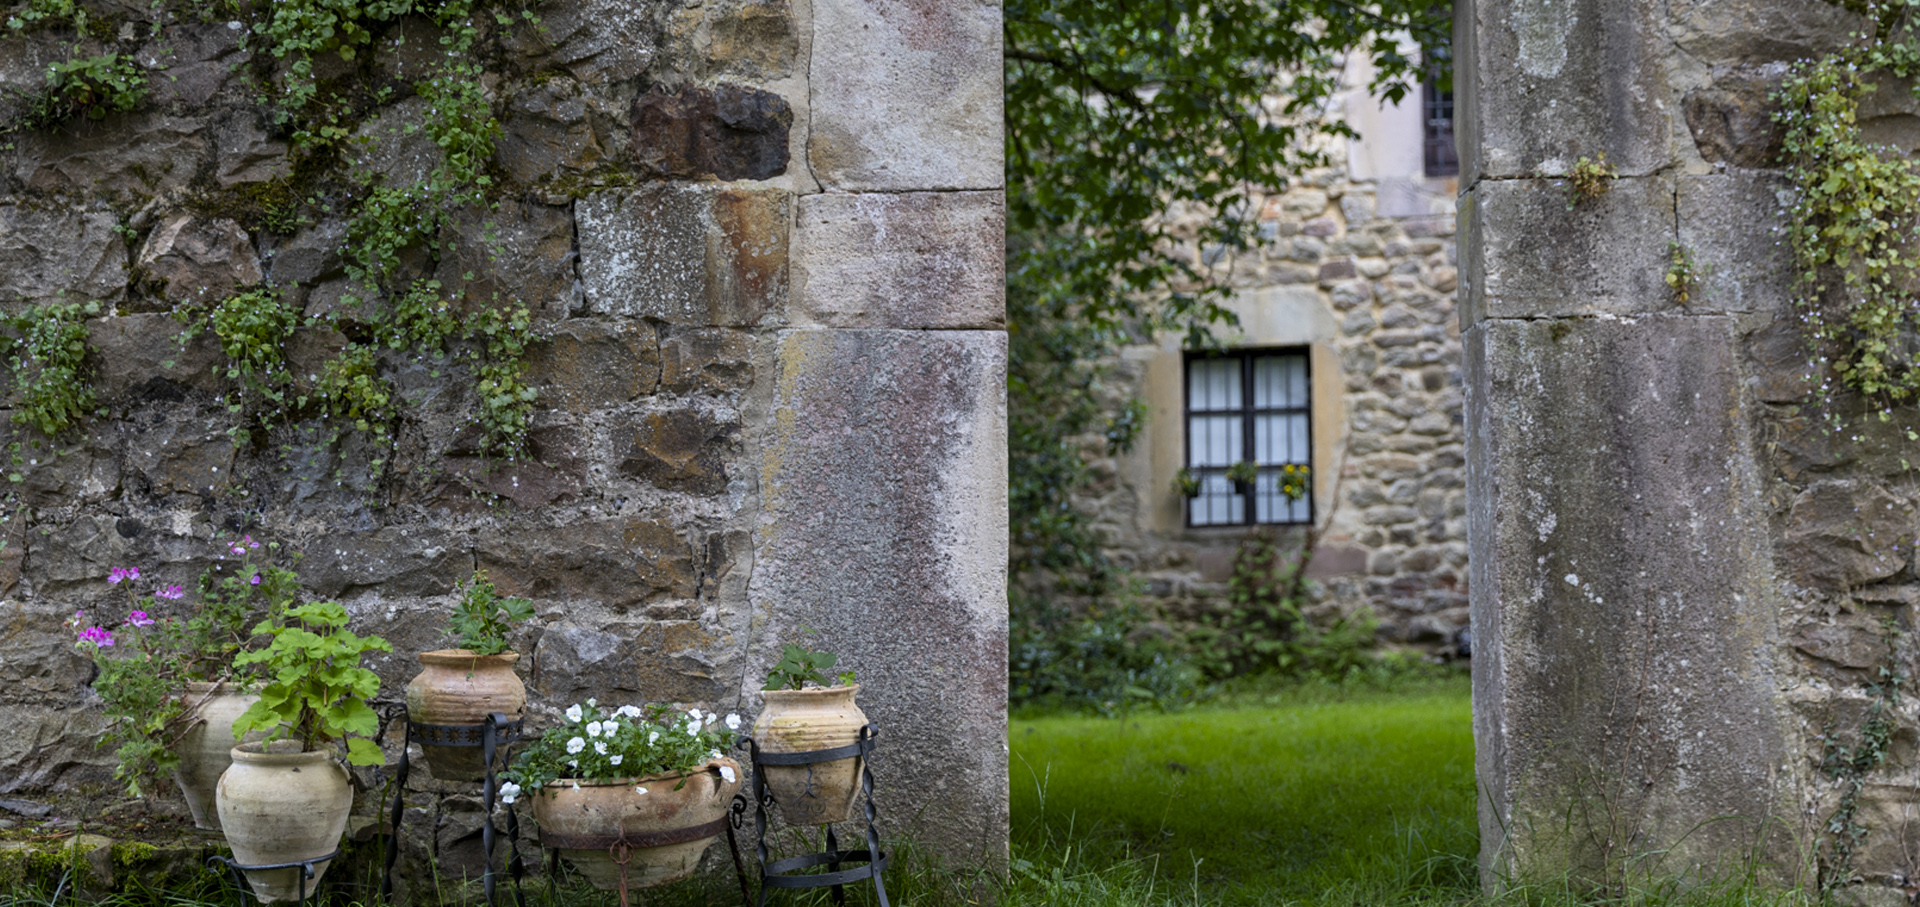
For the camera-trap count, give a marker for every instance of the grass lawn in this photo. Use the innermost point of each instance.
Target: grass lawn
(1365, 799)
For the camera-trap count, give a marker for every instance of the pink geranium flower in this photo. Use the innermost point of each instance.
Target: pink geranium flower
(97, 636)
(140, 618)
(119, 573)
(170, 592)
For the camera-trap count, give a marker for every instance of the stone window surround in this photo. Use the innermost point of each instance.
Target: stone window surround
(1248, 412)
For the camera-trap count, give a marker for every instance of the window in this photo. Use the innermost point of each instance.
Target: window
(1436, 108)
(1251, 405)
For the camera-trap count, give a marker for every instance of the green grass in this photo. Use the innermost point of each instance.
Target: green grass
(1361, 799)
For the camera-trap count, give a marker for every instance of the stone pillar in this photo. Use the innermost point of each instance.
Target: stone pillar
(882, 463)
(1628, 661)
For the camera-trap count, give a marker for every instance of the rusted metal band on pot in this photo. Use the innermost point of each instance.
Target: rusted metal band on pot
(633, 839)
(859, 748)
(461, 734)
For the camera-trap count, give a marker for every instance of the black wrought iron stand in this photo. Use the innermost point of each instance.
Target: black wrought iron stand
(492, 735)
(787, 873)
(620, 846)
(234, 868)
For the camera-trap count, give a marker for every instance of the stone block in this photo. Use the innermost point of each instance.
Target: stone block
(616, 660)
(393, 561)
(728, 132)
(1541, 85)
(883, 526)
(142, 355)
(752, 40)
(179, 453)
(688, 255)
(59, 253)
(1730, 224)
(1848, 645)
(392, 146)
(679, 450)
(1732, 120)
(1847, 533)
(547, 132)
(45, 747)
(127, 158)
(595, 41)
(906, 95)
(515, 253)
(621, 563)
(311, 255)
(902, 260)
(586, 365)
(189, 64)
(73, 471)
(244, 153)
(199, 260)
(1726, 34)
(1530, 254)
(41, 666)
(1617, 527)
(705, 360)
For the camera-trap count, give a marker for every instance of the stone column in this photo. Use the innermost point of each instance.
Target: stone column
(1627, 655)
(883, 450)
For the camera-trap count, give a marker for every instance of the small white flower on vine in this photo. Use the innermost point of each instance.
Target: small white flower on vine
(627, 711)
(733, 722)
(573, 711)
(593, 728)
(600, 747)
(653, 738)
(509, 792)
(593, 702)
(639, 790)
(726, 772)
(576, 745)
(615, 759)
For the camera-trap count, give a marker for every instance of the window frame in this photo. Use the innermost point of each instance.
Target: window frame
(1246, 356)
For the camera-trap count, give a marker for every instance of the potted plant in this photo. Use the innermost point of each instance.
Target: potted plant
(1292, 481)
(465, 684)
(167, 680)
(803, 714)
(1186, 484)
(603, 777)
(1244, 474)
(286, 798)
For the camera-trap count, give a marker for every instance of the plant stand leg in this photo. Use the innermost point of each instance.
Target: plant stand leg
(399, 810)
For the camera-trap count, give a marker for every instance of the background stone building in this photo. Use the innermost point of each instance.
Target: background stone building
(1346, 308)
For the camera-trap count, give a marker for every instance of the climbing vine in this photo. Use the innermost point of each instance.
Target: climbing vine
(1851, 224)
(391, 225)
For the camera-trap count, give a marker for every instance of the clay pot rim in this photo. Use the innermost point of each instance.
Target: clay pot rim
(466, 658)
(560, 784)
(850, 690)
(254, 754)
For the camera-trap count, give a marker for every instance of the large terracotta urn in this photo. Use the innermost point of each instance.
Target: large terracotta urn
(457, 687)
(590, 822)
(206, 746)
(800, 721)
(281, 805)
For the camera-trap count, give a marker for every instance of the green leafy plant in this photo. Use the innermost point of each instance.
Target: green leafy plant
(1683, 274)
(316, 690)
(1590, 178)
(1262, 628)
(1294, 480)
(48, 362)
(799, 666)
(1106, 661)
(146, 659)
(481, 619)
(86, 86)
(629, 742)
(1244, 472)
(1186, 484)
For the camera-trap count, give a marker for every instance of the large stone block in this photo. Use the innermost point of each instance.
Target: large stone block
(692, 255)
(906, 95)
(1623, 611)
(1844, 534)
(630, 661)
(705, 360)
(902, 260)
(679, 450)
(883, 526)
(547, 132)
(1543, 84)
(511, 254)
(1730, 224)
(199, 260)
(391, 560)
(59, 253)
(622, 563)
(42, 665)
(1732, 121)
(585, 365)
(1532, 251)
(189, 64)
(127, 158)
(596, 41)
(729, 132)
(1777, 30)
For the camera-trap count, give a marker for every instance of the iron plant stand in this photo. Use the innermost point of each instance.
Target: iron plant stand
(234, 868)
(787, 873)
(492, 735)
(620, 846)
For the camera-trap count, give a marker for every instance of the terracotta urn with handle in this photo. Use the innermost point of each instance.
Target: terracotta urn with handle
(458, 687)
(799, 721)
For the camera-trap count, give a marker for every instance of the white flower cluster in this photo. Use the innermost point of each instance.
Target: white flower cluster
(629, 741)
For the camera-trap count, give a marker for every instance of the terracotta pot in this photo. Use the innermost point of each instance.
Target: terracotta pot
(456, 686)
(279, 805)
(206, 747)
(608, 809)
(799, 721)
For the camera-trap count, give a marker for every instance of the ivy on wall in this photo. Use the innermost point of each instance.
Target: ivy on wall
(388, 224)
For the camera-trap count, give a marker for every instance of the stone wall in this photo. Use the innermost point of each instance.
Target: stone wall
(1686, 542)
(761, 245)
(1358, 266)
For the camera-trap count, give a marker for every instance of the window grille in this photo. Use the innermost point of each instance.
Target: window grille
(1253, 405)
(1437, 116)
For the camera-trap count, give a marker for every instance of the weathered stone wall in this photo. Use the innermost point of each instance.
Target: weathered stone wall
(1360, 269)
(1681, 569)
(761, 242)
